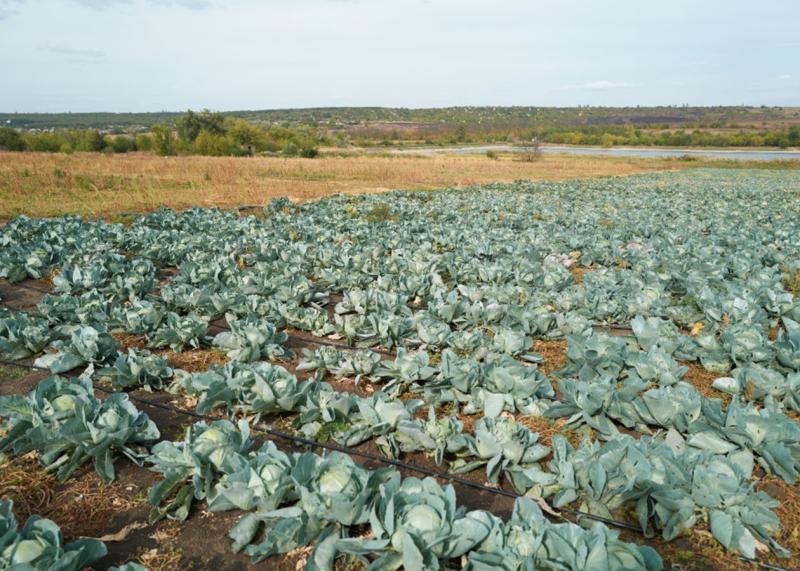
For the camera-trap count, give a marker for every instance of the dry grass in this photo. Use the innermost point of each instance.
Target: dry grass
(11, 373)
(547, 429)
(791, 281)
(554, 354)
(578, 272)
(40, 184)
(83, 506)
(195, 360)
(701, 379)
(129, 341)
(695, 551)
(165, 558)
(363, 389)
(788, 511)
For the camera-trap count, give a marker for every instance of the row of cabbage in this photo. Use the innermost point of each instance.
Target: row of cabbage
(636, 383)
(293, 500)
(672, 483)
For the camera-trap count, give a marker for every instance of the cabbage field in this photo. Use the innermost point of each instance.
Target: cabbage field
(574, 375)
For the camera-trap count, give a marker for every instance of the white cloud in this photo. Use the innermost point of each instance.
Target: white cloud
(83, 53)
(7, 8)
(599, 85)
(785, 76)
(191, 4)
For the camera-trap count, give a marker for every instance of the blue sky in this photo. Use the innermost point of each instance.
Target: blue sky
(150, 55)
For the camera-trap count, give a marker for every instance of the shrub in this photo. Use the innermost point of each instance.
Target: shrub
(309, 152)
(121, 143)
(11, 140)
(247, 136)
(44, 142)
(215, 145)
(290, 149)
(144, 142)
(163, 140)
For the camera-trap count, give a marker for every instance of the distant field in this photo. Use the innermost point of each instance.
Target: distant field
(90, 184)
(39, 184)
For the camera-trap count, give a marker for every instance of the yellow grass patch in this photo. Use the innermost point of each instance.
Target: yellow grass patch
(578, 272)
(195, 360)
(94, 184)
(701, 379)
(788, 511)
(129, 341)
(165, 558)
(82, 506)
(554, 354)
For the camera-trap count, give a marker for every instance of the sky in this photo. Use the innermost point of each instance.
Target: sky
(153, 55)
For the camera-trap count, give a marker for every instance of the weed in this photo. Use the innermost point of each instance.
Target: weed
(380, 213)
(791, 281)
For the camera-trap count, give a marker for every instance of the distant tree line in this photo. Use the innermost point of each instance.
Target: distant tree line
(202, 133)
(596, 135)
(494, 116)
(221, 134)
(630, 136)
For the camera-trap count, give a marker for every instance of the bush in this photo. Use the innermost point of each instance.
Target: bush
(44, 142)
(215, 145)
(121, 143)
(380, 212)
(309, 152)
(11, 140)
(91, 141)
(248, 137)
(305, 149)
(291, 149)
(163, 140)
(144, 142)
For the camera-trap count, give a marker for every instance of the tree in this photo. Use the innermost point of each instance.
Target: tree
(532, 152)
(190, 125)
(163, 140)
(247, 136)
